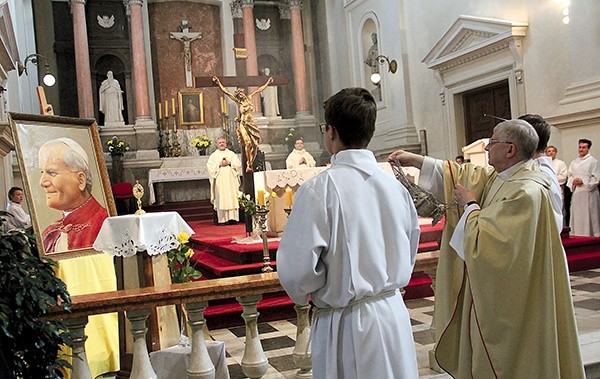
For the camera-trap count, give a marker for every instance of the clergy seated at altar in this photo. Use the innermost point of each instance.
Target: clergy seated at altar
(299, 157)
(224, 169)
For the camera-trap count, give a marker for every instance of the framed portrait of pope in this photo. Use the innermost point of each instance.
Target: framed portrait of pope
(65, 181)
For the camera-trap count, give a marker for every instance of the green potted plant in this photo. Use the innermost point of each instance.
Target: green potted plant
(29, 346)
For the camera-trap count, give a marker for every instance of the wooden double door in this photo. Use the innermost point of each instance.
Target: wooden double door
(484, 108)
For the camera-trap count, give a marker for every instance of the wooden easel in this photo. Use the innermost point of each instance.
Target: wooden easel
(45, 108)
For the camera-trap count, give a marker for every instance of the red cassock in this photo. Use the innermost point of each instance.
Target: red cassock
(82, 226)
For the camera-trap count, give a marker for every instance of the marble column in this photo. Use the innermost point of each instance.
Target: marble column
(82, 60)
(250, 42)
(298, 62)
(138, 57)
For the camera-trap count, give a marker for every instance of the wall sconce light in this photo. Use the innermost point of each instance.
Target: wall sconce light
(48, 79)
(392, 67)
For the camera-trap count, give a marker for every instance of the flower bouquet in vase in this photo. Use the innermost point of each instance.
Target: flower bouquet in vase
(182, 271)
(201, 142)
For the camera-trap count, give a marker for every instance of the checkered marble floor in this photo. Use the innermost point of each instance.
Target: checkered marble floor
(278, 337)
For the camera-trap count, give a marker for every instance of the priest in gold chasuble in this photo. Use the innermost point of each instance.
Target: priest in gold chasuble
(503, 299)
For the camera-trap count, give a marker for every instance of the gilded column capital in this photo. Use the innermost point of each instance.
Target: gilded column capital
(295, 3)
(236, 9)
(284, 11)
(247, 3)
(135, 2)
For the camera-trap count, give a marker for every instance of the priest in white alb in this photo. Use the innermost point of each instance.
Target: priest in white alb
(299, 157)
(224, 169)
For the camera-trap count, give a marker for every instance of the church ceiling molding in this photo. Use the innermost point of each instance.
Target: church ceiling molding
(471, 38)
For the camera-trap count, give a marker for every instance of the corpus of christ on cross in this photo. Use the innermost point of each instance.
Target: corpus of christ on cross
(240, 82)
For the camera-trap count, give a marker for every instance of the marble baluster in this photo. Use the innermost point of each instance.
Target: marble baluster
(141, 367)
(302, 354)
(200, 365)
(432, 362)
(81, 368)
(254, 361)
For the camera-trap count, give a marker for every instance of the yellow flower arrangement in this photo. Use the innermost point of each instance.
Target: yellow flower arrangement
(116, 146)
(182, 270)
(201, 142)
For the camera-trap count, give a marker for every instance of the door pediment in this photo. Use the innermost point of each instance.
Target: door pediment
(470, 38)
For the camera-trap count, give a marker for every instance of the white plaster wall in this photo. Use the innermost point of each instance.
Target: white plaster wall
(555, 57)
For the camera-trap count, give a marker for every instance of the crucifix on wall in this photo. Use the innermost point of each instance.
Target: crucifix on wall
(187, 38)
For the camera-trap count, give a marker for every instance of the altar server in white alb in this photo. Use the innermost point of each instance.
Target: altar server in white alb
(583, 178)
(350, 245)
(224, 169)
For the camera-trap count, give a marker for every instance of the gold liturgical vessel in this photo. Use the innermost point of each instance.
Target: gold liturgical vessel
(138, 192)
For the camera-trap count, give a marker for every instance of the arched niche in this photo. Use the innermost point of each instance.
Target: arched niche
(370, 49)
(115, 64)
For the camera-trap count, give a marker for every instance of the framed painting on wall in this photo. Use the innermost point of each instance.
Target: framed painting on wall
(191, 108)
(65, 181)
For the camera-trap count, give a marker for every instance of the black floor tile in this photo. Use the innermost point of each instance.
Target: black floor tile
(277, 343)
(587, 287)
(591, 304)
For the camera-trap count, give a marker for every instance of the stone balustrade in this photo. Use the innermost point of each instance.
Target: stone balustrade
(248, 290)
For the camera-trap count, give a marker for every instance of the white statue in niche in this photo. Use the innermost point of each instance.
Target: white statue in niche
(269, 96)
(111, 101)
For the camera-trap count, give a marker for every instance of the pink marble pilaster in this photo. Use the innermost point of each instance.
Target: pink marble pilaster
(298, 63)
(82, 60)
(250, 42)
(138, 56)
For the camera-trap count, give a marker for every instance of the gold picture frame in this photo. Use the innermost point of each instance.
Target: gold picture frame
(46, 202)
(191, 108)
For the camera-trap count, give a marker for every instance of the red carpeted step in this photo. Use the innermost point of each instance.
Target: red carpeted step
(213, 267)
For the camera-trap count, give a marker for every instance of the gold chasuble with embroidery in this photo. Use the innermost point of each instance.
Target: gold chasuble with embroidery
(505, 311)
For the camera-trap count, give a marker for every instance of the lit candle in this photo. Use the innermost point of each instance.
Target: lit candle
(261, 197)
(159, 110)
(222, 106)
(173, 106)
(225, 105)
(289, 197)
(166, 108)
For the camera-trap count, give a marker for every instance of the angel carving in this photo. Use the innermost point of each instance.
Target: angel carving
(106, 21)
(263, 23)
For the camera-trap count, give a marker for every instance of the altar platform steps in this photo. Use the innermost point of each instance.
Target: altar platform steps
(197, 210)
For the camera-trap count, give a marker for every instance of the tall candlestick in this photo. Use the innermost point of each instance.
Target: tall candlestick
(173, 106)
(225, 105)
(166, 108)
(221, 100)
(261, 197)
(289, 197)
(159, 110)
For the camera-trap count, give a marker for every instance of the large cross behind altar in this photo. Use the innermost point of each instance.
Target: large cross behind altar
(239, 81)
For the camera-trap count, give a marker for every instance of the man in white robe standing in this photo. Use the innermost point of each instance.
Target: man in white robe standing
(583, 178)
(299, 157)
(350, 244)
(560, 168)
(224, 169)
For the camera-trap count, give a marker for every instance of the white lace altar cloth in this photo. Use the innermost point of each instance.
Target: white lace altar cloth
(156, 233)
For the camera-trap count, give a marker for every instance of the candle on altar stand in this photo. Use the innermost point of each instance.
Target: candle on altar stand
(224, 105)
(159, 110)
(289, 197)
(261, 197)
(166, 108)
(173, 106)
(222, 100)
